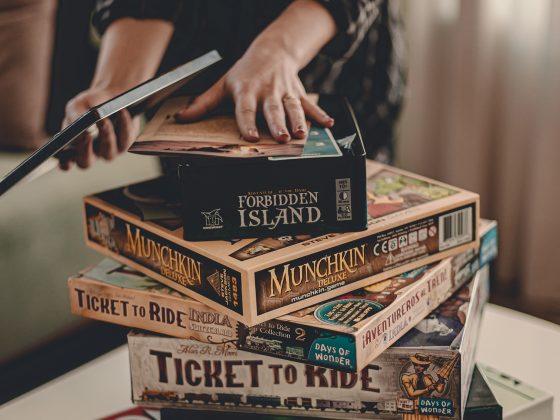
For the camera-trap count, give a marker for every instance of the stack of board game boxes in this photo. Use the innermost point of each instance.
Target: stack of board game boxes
(318, 284)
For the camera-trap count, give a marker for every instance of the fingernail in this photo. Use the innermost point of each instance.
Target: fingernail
(330, 121)
(300, 129)
(253, 133)
(283, 134)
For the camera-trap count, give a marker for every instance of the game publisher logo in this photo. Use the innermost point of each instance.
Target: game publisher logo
(100, 227)
(212, 219)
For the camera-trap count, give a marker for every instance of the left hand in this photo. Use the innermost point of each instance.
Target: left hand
(265, 78)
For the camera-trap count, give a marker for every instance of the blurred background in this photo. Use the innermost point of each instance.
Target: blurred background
(482, 111)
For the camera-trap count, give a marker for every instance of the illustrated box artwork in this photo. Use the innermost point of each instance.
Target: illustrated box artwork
(481, 404)
(217, 135)
(413, 221)
(351, 330)
(426, 373)
(345, 333)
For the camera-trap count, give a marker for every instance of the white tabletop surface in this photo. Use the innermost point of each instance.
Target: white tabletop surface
(522, 346)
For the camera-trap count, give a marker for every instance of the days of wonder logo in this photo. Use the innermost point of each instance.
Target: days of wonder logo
(270, 210)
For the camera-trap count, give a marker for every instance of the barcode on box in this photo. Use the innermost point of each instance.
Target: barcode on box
(455, 228)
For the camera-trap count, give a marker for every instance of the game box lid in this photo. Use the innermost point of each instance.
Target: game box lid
(135, 100)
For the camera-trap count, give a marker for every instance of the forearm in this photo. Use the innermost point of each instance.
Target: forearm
(300, 31)
(131, 51)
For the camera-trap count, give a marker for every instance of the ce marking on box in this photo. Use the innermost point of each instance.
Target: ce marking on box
(384, 247)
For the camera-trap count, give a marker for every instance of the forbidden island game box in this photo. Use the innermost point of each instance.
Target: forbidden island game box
(345, 333)
(413, 221)
(232, 188)
(426, 373)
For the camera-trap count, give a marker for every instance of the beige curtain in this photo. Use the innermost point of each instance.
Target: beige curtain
(483, 112)
(26, 38)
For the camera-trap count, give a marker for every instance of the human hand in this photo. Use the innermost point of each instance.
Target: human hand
(112, 138)
(265, 78)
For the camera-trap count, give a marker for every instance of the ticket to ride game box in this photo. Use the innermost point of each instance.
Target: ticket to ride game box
(413, 221)
(426, 373)
(481, 405)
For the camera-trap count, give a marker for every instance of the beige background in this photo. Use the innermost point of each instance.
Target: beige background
(482, 112)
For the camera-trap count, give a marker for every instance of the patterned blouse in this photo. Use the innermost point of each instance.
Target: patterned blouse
(364, 61)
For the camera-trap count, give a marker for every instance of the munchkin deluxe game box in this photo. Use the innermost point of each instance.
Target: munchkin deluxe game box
(413, 221)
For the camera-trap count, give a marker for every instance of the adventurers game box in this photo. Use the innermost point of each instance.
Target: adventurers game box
(353, 329)
(427, 372)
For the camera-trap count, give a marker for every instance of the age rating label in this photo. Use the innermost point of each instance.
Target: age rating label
(343, 199)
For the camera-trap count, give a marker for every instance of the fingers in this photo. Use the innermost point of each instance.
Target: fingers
(202, 104)
(65, 165)
(275, 116)
(84, 151)
(245, 114)
(107, 140)
(126, 131)
(296, 116)
(316, 113)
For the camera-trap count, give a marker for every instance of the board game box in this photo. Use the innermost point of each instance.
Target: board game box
(413, 221)
(366, 321)
(112, 292)
(519, 400)
(351, 330)
(481, 402)
(216, 135)
(321, 191)
(426, 373)
(481, 405)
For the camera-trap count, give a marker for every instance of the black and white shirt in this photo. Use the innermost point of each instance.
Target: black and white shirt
(364, 62)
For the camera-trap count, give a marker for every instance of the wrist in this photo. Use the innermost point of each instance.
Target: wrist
(277, 48)
(298, 34)
(114, 86)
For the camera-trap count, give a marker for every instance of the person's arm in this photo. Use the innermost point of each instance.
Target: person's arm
(353, 19)
(131, 51)
(266, 77)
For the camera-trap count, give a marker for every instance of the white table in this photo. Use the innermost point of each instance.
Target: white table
(524, 347)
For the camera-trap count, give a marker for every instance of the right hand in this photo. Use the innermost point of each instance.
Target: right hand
(113, 139)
